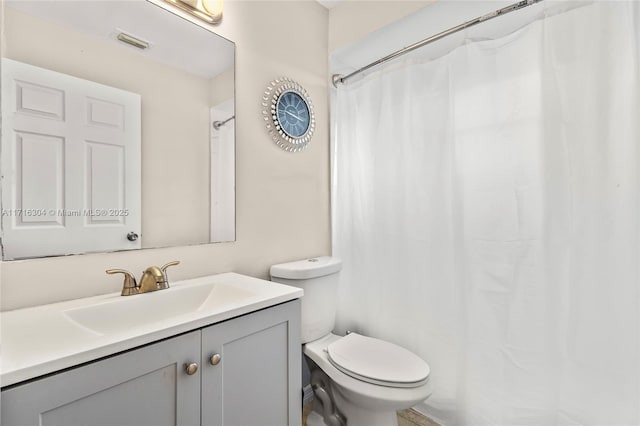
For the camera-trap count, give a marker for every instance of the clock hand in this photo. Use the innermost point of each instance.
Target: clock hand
(293, 115)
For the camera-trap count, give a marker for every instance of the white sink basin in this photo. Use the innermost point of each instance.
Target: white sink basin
(124, 313)
(49, 338)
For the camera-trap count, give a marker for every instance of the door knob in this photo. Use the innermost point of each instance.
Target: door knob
(132, 236)
(215, 359)
(191, 368)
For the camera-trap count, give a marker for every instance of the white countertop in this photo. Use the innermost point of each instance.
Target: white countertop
(44, 339)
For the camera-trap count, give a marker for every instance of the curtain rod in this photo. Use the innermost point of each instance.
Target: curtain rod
(338, 78)
(218, 124)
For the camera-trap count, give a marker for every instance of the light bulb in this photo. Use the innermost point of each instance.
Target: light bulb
(208, 10)
(213, 7)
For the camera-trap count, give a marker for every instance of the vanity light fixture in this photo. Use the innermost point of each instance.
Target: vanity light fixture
(133, 41)
(208, 10)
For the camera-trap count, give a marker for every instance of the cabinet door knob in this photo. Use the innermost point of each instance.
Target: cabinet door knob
(191, 368)
(215, 359)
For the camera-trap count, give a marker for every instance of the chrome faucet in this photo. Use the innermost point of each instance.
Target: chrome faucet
(153, 278)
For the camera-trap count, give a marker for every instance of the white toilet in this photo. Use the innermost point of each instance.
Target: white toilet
(357, 380)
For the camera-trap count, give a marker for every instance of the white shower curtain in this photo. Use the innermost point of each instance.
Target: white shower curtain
(486, 205)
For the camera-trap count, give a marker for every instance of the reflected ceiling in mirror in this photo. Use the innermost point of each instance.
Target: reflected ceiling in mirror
(81, 80)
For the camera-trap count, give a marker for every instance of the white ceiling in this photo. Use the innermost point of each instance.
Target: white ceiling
(174, 41)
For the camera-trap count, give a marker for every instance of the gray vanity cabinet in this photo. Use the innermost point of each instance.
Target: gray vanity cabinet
(254, 381)
(251, 369)
(142, 387)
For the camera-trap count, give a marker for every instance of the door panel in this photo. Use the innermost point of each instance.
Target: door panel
(39, 179)
(105, 181)
(105, 113)
(39, 101)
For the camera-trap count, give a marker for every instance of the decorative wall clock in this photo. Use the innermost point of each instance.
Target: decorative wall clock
(288, 114)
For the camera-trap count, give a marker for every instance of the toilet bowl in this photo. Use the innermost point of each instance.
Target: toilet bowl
(361, 398)
(357, 380)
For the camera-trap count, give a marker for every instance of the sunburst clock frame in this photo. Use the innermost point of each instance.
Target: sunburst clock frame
(288, 114)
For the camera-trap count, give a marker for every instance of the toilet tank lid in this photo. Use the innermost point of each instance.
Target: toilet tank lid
(307, 268)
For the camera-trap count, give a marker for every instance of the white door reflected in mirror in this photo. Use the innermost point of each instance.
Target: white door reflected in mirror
(70, 164)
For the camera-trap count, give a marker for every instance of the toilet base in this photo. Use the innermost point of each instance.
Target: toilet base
(337, 406)
(315, 419)
(361, 416)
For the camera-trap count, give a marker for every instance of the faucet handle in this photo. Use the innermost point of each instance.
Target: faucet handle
(164, 267)
(129, 286)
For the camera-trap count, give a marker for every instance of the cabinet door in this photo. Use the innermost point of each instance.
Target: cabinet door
(257, 380)
(143, 387)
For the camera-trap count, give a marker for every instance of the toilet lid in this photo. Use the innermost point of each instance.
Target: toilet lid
(378, 362)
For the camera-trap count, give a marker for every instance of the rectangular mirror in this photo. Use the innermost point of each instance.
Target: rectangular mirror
(118, 129)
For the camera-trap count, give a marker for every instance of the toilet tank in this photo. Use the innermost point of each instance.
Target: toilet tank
(318, 277)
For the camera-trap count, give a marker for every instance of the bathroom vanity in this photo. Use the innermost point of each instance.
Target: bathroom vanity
(218, 350)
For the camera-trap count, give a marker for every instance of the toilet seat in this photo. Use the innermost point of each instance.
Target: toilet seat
(377, 361)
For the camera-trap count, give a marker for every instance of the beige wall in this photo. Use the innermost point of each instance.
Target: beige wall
(282, 198)
(221, 87)
(352, 20)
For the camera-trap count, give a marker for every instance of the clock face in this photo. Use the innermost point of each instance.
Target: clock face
(293, 114)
